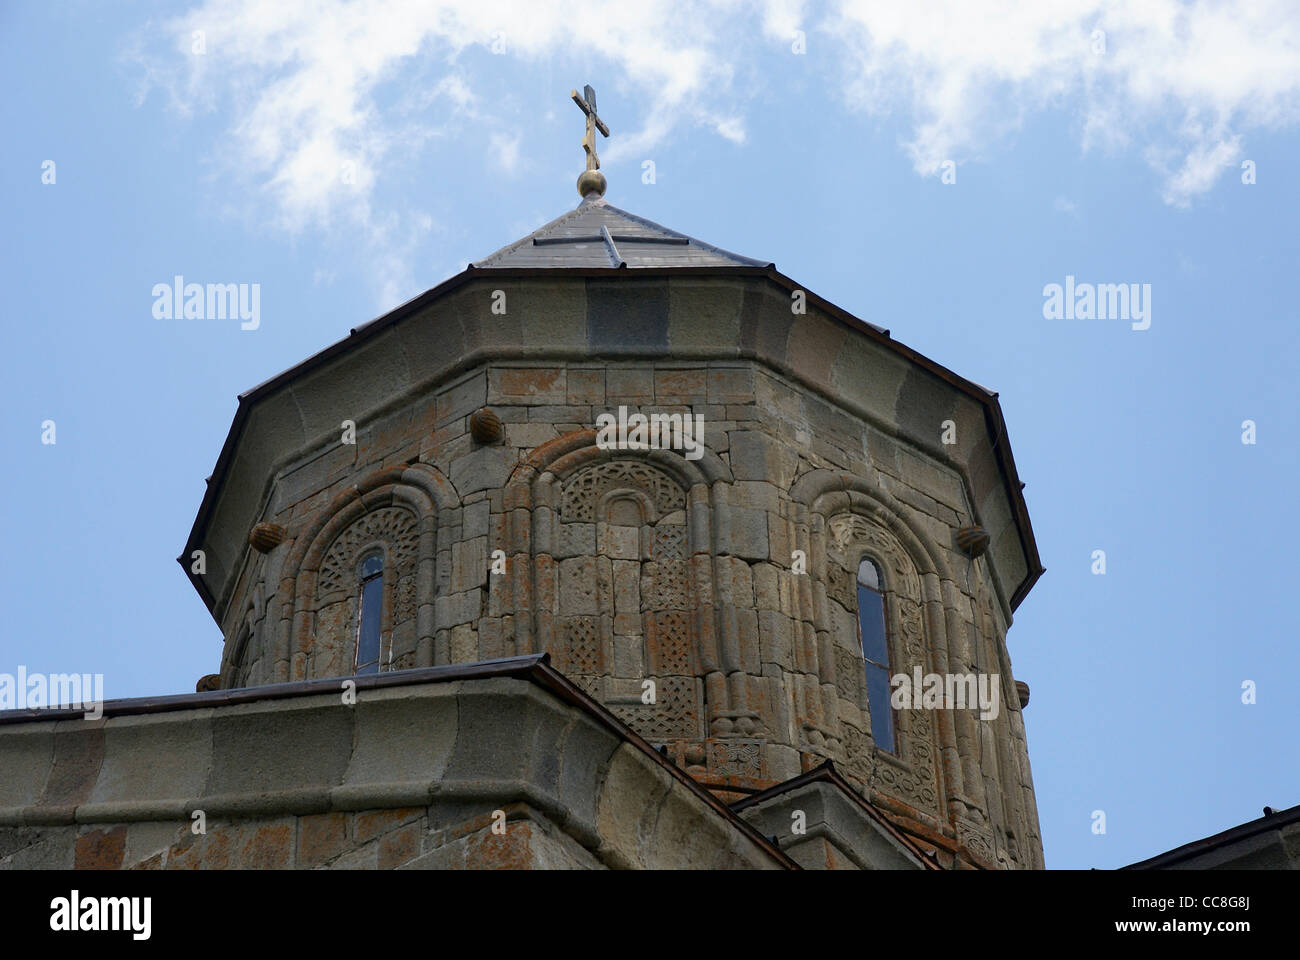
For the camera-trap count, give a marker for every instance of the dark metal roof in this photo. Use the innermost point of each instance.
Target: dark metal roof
(1270, 821)
(597, 234)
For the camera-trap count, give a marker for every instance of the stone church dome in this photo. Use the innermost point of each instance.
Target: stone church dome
(433, 491)
(615, 550)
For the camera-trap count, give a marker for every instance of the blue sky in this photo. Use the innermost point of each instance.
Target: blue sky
(1112, 165)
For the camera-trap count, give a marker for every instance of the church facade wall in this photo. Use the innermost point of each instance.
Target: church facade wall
(630, 566)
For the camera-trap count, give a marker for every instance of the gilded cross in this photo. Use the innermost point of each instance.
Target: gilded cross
(587, 104)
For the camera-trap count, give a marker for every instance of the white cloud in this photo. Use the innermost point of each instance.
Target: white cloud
(301, 79)
(1181, 83)
(1183, 79)
(505, 151)
(1200, 168)
(1063, 204)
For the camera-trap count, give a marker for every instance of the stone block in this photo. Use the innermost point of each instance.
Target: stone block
(321, 838)
(529, 435)
(940, 483)
(464, 644)
(400, 846)
(628, 624)
(469, 564)
(26, 752)
(474, 520)
(627, 316)
(575, 540)
(277, 745)
(101, 849)
(369, 824)
(403, 735)
(461, 399)
(486, 468)
(775, 631)
(629, 385)
(458, 608)
(779, 539)
(745, 535)
(578, 586)
(78, 755)
(618, 542)
(152, 756)
(767, 591)
(629, 656)
(552, 313)
(757, 456)
(586, 387)
(627, 587)
(681, 386)
(527, 386)
(730, 385)
(703, 314)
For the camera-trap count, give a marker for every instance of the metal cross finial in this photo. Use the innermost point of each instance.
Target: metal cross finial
(587, 104)
(591, 181)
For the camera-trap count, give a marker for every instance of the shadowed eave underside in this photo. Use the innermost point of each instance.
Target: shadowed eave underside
(596, 234)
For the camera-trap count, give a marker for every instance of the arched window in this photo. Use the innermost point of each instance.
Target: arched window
(875, 653)
(370, 608)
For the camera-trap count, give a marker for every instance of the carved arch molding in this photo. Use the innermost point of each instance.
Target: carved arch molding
(313, 631)
(621, 590)
(392, 532)
(912, 776)
(625, 600)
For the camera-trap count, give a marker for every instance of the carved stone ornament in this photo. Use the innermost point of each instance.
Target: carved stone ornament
(1022, 689)
(485, 426)
(265, 537)
(973, 541)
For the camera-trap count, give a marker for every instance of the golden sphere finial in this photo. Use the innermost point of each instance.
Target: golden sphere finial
(591, 181)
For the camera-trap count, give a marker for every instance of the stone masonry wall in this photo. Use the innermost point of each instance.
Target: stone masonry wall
(630, 566)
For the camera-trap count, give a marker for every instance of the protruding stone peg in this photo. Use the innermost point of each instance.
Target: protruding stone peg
(485, 426)
(265, 537)
(973, 541)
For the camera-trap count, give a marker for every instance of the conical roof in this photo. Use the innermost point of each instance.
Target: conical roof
(598, 234)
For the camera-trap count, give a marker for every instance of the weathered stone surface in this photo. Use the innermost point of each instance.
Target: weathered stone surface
(430, 765)
(483, 469)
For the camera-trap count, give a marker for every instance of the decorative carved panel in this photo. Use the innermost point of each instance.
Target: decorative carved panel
(912, 779)
(583, 491)
(632, 496)
(675, 715)
(394, 527)
(581, 651)
(736, 758)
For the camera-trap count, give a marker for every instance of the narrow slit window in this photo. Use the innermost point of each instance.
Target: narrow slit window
(369, 614)
(875, 653)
